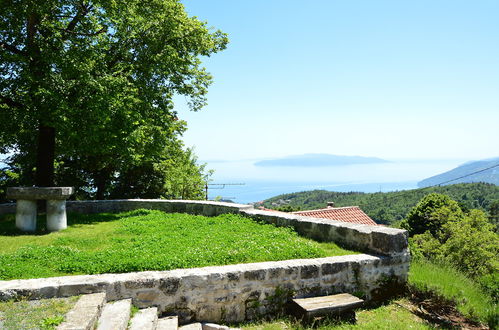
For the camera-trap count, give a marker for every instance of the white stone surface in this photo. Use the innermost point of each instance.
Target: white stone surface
(26, 215)
(115, 315)
(168, 323)
(144, 319)
(214, 326)
(84, 314)
(56, 215)
(192, 326)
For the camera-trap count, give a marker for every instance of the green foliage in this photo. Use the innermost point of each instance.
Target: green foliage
(494, 214)
(287, 208)
(463, 240)
(441, 231)
(391, 207)
(50, 323)
(447, 282)
(150, 240)
(103, 75)
(433, 211)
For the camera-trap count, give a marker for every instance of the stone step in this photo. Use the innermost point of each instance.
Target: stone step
(191, 326)
(214, 326)
(168, 323)
(144, 319)
(85, 313)
(333, 305)
(115, 315)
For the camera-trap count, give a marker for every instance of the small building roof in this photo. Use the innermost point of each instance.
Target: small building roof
(352, 214)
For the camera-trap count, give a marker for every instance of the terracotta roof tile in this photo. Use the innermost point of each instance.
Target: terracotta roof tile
(352, 214)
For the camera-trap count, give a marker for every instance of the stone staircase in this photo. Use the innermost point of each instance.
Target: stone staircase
(92, 311)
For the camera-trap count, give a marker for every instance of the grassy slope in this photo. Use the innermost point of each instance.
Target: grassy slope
(446, 282)
(391, 316)
(391, 206)
(149, 240)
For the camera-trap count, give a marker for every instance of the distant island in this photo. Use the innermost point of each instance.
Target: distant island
(317, 160)
(485, 168)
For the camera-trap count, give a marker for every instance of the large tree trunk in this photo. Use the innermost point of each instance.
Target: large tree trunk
(45, 157)
(101, 182)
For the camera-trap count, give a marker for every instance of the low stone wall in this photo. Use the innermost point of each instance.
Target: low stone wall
(238, 292)
(227, 293)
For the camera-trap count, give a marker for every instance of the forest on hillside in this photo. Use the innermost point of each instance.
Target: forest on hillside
(389, 207)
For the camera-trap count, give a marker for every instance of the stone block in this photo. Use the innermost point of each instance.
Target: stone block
(34, 193)
(169, 285)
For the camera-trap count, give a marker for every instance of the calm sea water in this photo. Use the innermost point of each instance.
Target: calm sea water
(264, 182)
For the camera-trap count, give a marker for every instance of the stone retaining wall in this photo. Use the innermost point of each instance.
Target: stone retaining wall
(239, 292)
(227, 293)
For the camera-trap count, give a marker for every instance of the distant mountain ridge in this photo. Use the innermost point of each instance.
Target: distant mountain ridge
(316, 160)
(487, 174)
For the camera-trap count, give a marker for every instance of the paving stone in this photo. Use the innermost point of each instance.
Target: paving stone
(84, 314)
(167, 323)
(192, 326)
(214, 326)
(145, 319)
(115, 315)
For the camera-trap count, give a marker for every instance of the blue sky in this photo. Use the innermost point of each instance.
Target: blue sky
(391, 79)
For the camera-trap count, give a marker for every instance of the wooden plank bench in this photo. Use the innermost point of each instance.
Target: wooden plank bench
(26, 208)
(334, 305)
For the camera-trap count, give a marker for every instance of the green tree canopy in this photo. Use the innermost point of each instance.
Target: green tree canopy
(90, 83)
(431, 213)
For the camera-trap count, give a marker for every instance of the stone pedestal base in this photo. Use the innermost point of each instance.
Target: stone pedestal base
(26, 215)
(26, 206)
(56, 215)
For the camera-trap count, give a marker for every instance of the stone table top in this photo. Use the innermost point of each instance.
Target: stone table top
(32, 193)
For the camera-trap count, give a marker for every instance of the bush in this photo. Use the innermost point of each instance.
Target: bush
(431, 213)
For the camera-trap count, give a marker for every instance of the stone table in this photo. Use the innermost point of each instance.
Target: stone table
(26, 206)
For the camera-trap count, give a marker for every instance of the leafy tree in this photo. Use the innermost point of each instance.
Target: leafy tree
(467, 242)
(176, 176)
(90, 84)
(433, 211)
(494, 214)
(287, 208)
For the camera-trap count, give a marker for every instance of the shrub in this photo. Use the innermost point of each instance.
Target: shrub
(431, 213)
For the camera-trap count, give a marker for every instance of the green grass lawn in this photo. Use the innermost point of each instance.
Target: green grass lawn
(148, 240)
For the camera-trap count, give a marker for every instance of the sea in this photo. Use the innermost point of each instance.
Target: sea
(243, 182)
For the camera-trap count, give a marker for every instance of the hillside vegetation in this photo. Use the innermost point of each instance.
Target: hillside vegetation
(389, 207)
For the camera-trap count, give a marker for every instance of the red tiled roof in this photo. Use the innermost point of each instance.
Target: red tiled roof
(352, 214)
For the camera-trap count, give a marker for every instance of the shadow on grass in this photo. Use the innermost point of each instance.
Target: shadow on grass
(8, 222)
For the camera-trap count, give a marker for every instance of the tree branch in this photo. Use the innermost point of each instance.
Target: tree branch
(82, 12)
(12, 49)
(104, 29)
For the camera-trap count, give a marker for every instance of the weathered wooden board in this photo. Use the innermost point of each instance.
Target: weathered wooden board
(326, 305)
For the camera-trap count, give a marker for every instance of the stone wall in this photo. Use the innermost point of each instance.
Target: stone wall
(239, 292)
(227, 293)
